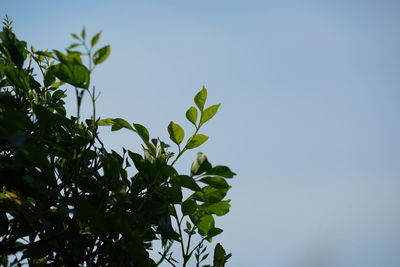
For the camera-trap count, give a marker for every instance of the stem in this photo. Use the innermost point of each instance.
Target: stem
(170, 262)
(164, 254)
(181, 235)
(188, 244)
(78, 102)
(199, 244)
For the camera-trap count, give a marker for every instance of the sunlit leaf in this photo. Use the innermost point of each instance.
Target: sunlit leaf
(219, 208)
(200, 98)
(208, 113)
(176, 133)
(191, 115)
(205, 223)
(101, 55)
(196, 141)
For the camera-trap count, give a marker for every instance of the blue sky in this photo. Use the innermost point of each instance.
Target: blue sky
(309, 117)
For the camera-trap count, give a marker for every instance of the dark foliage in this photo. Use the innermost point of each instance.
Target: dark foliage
(65, 200)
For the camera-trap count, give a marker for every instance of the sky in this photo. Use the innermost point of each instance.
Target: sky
(309, 117)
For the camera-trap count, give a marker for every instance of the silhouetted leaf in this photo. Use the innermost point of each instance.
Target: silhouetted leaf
(185, 181)
(188, 207)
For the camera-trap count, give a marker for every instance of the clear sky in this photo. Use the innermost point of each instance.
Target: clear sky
(310, 115)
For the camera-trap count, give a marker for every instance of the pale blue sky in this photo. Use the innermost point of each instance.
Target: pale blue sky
(309, 119)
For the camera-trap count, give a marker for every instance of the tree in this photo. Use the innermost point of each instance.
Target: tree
(65, 200)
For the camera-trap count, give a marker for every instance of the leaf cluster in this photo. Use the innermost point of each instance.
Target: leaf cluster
(66, 200)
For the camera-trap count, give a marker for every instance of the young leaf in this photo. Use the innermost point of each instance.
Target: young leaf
(101, 54)
(208, 113)
(72, 46)
(95, 39)
(200, 165)
(191, 115)
(200, 98)
(83, 33)
(176, 133)
(196, 141)
(188, 225)
(74, 35)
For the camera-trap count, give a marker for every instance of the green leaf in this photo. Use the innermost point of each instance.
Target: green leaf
(116, 124)
(214, 232)
(142, 131)
(95, 39)
(205, 224)
(101, 54)
(216, 182)
(105, 122)
(176, 133)
(74, 74)
(17, 78)
(188, 207)
(172, 195)
(44, 53)
(72, 46)
(210, 194)
(223, 171)
(220, 208)
(208, 113)
(49, 79)
(191, 115)
(121, 123)
(196, 141)
(220, 257)
(74, 35)
(83, 33)
(64, 58)
(200, 98)
(185, 181)
(200, 165)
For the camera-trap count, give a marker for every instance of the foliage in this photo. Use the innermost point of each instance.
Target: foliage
(65, 200)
